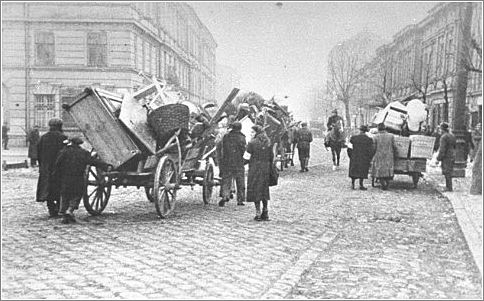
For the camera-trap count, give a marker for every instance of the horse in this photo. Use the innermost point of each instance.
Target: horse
(335, 140)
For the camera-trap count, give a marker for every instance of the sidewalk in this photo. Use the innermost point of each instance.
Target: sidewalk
(467, 207)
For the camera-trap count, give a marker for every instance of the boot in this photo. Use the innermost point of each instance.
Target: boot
(306, 163)
(265, 216)
(257, 212)
(302, 165)
(353, 184)
(53, 207)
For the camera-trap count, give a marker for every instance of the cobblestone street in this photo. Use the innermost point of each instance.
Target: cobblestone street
(324, 240)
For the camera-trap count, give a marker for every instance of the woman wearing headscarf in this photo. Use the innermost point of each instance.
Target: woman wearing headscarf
(48, 148)
(261, 158)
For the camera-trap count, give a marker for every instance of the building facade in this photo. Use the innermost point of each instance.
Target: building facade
(51, 51)
(421, 62)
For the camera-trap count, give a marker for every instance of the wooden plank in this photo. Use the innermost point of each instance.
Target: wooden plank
(134, 116)
(103, 131)
(219, 112)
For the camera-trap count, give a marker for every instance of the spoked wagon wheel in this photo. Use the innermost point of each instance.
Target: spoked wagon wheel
(98, 190)
(149, 194)
(208, 183)
(165, 186)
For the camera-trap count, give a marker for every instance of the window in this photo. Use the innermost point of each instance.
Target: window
(97, 49)
(44, 108)
(44, 48)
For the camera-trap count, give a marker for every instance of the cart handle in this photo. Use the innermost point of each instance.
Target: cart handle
(169, 144)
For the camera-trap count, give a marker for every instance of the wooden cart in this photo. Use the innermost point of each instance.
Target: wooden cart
(411, 167)
(133, 158)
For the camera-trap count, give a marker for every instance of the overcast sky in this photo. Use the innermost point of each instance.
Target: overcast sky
(282, 50)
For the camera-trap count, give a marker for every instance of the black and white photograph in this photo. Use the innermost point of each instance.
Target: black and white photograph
(238, 150)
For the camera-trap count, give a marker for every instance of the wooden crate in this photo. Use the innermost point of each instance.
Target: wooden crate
(419, 165)
(401, 165)
(421, 146)
(403, 146)
(103, 131)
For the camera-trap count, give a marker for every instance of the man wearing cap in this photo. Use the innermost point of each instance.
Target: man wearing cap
(304, 137)
(447, 154)
(69, 170)
(47, 149)
(33, 138)
(233, 146)
(360, 156)
(335, 118)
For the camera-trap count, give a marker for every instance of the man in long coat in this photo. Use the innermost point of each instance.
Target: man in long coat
(304, 138)
(33, 139)
(360, 156)
(383, 160)
(48, 148)
(233, 146)
(447, 154)
(69, 169)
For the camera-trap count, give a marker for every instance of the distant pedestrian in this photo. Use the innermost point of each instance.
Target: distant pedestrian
(292, 140)
(468, 145)
(304, 137)
(360, 156)
(447, 155)
(5, 130)
(383, 160)
(33, 138)
(261, 159)
(233, 146)
(48, 148)
(69, 169)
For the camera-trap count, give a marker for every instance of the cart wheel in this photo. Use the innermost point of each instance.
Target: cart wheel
(415, 178)
(97, 192)
(164, 190)
(208, 183)
(149, 194)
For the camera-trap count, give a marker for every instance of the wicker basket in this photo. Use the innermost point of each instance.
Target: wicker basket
(167, 119)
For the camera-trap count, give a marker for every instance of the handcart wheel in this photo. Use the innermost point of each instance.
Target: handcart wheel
(415, 178)
(149, 193)
(98, 190)
(208, 183)
(164, 190)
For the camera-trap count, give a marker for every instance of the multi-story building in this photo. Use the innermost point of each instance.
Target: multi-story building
(52, 50)
(422, 63)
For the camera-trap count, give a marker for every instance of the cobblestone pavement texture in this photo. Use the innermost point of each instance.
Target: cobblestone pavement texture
(324, 240)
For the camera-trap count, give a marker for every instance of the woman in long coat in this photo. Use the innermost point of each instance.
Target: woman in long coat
(360, 157)
(383, 160)
(261, 158)
(48, 148)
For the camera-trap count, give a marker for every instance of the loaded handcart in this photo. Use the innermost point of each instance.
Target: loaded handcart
(147, 140)
(412, 155)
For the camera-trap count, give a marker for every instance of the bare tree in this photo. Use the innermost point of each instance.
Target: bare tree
(379, 76)
(345, 68)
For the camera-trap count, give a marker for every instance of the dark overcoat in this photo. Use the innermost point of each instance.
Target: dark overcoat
(48, 148)
(70, 167)
(361, 155)
(261, 158)
(383, 160)
(33, 140)
(304, 138)
(232, 152)
(447, 153)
